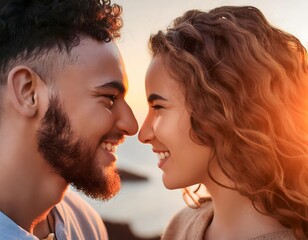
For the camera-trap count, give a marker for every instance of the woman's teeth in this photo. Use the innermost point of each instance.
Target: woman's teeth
(108, 146)
(163, 155)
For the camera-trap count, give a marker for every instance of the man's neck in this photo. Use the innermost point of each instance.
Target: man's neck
(28, 197)
(29, 186)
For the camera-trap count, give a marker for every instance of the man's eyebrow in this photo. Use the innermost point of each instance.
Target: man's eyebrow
(154, 97)
(114, 84)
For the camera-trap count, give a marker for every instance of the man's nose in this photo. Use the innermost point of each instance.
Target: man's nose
(127, 122)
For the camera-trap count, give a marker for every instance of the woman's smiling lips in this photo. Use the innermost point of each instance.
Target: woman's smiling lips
(162, 156)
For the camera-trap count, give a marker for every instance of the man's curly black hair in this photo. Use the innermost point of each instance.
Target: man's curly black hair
(32, 29)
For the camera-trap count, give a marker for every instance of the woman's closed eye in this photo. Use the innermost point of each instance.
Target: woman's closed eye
(157, 107)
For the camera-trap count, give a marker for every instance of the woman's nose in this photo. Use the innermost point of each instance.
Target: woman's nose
(146, 133)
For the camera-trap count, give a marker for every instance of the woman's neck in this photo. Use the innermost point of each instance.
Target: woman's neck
(236, 218)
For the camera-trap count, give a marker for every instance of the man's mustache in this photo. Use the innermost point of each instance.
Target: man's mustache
(116, 138)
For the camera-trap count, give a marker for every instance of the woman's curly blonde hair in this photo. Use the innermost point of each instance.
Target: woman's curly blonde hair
(246, 85)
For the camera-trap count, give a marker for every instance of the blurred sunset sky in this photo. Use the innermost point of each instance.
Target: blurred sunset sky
(142, 18)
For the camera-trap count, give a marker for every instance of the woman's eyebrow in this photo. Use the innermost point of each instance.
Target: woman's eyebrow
(154, 97)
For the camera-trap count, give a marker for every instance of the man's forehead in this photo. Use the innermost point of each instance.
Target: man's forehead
(86, 44)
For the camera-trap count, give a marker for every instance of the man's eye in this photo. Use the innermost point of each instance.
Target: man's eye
(111, 97)
(109, 100)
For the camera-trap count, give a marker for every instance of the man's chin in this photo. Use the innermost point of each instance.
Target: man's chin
(113, 186)
(102, 190)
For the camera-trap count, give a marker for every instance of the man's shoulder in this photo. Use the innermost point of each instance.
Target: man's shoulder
(78, 218)
(72, 201)
(9, 230)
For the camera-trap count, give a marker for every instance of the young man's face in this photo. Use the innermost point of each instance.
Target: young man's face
(87, 118)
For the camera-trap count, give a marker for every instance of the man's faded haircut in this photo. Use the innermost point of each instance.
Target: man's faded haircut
(40, 34)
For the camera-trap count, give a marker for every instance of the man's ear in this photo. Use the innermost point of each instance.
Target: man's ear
(22, 86)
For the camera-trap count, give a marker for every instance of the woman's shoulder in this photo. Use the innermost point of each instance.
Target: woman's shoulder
(204, 211)
(190, 223)
(286, 234)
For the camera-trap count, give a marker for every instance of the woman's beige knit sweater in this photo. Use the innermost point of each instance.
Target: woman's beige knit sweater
(191, 224)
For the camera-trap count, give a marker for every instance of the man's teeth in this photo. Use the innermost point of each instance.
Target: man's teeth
(163, 155)
(109, 147)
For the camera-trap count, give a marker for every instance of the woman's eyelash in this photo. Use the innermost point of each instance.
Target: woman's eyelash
(156, 107)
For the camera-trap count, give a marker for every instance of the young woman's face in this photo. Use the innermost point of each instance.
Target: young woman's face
(167, 128)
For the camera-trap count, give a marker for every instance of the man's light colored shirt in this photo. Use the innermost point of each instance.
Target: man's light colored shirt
(74, 219)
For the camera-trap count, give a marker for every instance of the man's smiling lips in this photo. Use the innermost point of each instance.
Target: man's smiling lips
(112, 142)
(110, 147)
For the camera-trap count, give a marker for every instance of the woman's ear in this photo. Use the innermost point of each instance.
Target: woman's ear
(22, 89)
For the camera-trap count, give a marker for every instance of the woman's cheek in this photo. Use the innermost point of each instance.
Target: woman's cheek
(164, 128)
